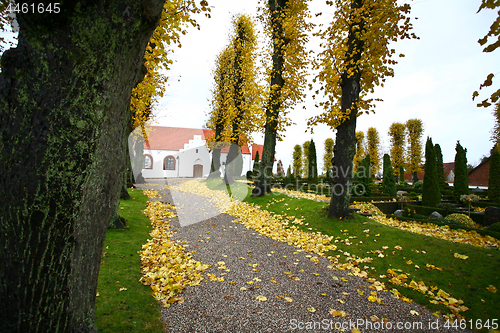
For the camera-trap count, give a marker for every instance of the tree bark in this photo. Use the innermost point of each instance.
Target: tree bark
(345, 143)
(216, 148)
(64, 109)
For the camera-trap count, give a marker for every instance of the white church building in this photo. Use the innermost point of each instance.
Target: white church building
(171, 152)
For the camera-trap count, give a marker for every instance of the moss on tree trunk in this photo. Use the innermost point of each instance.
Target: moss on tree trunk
(65, 96)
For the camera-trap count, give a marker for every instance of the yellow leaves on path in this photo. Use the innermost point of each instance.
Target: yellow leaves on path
(165, 265)
(261, 298)
(262, 221)
(152, 194)
(252, 217)
(376, 299)
(311, 309)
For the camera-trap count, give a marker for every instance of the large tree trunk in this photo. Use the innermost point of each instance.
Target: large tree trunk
(64, 110)
(273, 105)
(345, 143)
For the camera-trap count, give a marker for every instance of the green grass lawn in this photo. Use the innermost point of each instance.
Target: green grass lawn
(463, 279)
(134, 309)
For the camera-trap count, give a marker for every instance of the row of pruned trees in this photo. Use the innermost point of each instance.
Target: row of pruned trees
(240, 105)
(355, 59)
(305, 159)
(405, 148)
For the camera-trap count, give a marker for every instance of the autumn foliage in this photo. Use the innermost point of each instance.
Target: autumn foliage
(176, 16)
(397, 135)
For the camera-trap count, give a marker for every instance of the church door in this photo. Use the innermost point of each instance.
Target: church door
(198, 171)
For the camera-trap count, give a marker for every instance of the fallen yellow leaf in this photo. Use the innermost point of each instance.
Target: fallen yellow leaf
(492, 289)
(337, 313)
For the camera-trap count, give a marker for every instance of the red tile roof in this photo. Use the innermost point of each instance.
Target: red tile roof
(448, 167)
(258, 148)
(480, 175)
(174, 138)
(409, 176)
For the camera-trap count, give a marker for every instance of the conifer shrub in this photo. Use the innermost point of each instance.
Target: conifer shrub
(256, 165)
(461, 182)
(389, 182)
(494, 175)
(312, 174)
(431, 196)
(439, 166)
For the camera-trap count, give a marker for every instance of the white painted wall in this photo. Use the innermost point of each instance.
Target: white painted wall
(195, 152)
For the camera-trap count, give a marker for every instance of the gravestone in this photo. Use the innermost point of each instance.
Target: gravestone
(491, 215)
(399, 212)
(435, 215)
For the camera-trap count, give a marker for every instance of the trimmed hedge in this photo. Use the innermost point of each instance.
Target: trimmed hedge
(426, 211)
(490, 232)
(485, 204)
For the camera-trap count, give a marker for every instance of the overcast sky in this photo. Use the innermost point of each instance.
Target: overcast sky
(434, 82)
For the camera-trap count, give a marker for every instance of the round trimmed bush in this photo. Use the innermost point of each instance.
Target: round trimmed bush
(461, 219)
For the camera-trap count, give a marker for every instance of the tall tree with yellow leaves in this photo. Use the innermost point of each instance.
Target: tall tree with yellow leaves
(297, 160)
(397, 134)
(415, 129)
(327, 157)
(285, 25)
(221, 105)
(246, 112)
(236, 95)
(355, 59)
(373, 140)
(305, 158)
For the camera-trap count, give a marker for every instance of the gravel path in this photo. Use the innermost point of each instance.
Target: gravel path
(286, 276)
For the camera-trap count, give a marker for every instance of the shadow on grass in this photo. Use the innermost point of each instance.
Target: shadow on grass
(134, 309)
